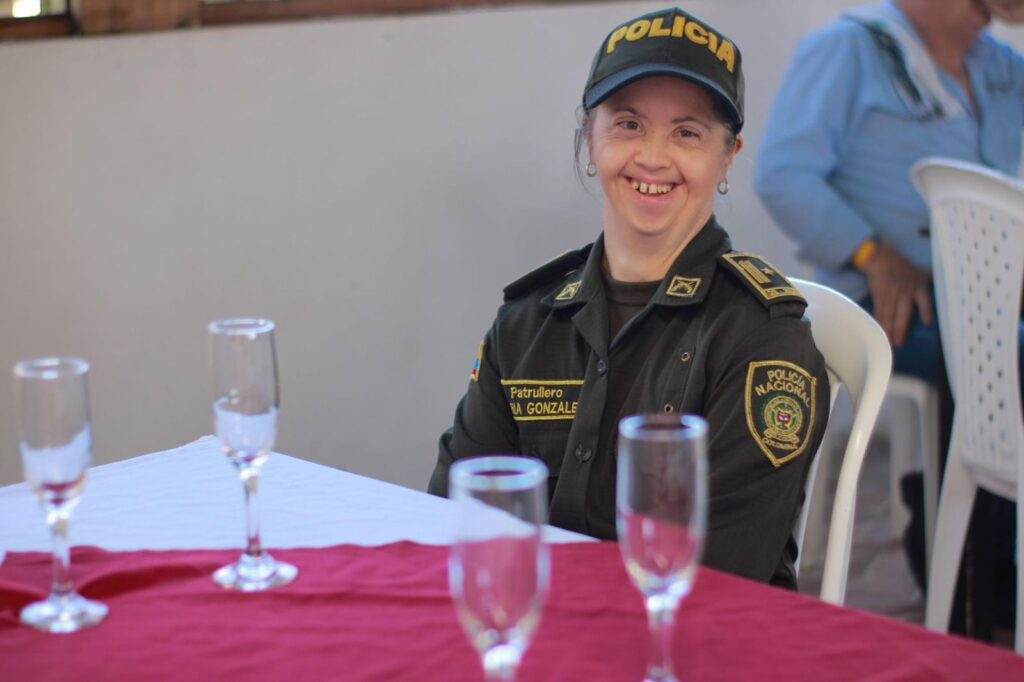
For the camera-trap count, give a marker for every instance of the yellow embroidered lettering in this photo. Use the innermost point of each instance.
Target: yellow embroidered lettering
(615, 37)
(712, 42)
(657, 30)
(727, 53)
(638, 29)
(696, 33)
(677, 27)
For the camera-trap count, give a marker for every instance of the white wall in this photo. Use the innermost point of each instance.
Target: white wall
(369, 184)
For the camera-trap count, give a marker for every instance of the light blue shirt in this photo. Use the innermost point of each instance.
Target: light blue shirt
(834, 166)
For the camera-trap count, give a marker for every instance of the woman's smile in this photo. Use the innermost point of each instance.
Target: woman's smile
(660, 151)
(651, 188)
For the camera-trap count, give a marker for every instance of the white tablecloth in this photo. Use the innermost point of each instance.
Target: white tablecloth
(191, 498)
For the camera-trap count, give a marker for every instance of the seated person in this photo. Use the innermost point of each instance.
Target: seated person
(659, 314)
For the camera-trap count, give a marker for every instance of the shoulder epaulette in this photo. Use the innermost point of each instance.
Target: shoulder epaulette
(768, 284)
(550, 271)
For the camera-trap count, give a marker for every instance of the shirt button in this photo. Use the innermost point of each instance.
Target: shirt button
(602, 368)
(583, 454)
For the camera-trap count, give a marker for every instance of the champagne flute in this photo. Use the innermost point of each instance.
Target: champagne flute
(661, 515)
(52, 396)
(245, 406)
(499, 569)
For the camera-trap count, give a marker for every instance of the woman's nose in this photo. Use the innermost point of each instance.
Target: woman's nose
(652, 153)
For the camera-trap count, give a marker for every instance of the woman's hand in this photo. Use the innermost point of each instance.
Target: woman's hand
(897, 287)
(1008, 11)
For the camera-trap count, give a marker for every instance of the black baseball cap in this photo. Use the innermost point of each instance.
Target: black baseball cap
(670, 42)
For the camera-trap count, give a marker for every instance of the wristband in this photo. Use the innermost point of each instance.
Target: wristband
(864, 253)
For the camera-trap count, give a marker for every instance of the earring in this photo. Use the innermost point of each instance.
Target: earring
(723, 187)
(591, 169)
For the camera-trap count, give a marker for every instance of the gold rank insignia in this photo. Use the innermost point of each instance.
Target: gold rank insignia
(761, 276)
(683, 287)
(569, 291)
(780, 406)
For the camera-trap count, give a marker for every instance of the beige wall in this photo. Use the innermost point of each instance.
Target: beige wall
(370, 184)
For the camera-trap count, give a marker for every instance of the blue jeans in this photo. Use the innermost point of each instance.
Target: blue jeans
(919, 354)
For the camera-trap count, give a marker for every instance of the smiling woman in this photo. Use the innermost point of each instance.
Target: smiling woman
(659, 314)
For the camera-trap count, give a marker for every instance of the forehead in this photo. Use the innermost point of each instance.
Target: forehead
(664, 94)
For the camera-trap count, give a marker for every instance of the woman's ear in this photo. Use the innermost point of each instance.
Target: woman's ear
(736, 148)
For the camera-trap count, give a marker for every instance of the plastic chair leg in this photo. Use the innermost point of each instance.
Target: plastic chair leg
(930, 453)
(1018, 644)
(902, 446)
(957, 500)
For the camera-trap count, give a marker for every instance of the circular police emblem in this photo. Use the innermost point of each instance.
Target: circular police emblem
(783, 417)
(780, 405)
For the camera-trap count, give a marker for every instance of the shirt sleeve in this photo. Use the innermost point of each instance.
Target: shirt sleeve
(766, 410)
(813, 116)
(483, 422)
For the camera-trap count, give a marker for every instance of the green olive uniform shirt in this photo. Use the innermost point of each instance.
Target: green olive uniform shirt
(722, 337)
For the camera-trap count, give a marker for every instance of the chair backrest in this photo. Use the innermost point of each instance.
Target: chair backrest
(857, 355)
(977, 233)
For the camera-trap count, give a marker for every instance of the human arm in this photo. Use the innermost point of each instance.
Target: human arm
(756, 487)
(897, 287)
(803, 144)
(1008, 11)
(814, 126)
(483, 423)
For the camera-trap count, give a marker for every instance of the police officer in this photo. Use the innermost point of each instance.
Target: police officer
(658, 314)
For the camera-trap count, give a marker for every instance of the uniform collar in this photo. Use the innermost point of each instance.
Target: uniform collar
(686, 282)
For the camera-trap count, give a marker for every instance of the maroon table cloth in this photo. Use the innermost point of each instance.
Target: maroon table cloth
(384, 613)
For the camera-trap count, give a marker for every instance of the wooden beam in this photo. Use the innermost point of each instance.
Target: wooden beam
(121, 16)
(242, 12)
(53, 26)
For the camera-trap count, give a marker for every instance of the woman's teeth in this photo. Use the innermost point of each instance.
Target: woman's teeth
(644, 188)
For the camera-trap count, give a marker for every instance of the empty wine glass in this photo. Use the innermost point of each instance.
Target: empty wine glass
(661, 505)
(499, 569)
(245, 405)
(52, 396)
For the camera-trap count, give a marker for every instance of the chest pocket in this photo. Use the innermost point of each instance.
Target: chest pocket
(544, 410)
(547, 444)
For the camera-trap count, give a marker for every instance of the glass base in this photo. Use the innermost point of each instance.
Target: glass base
(660, 677)
(63, 613)
(254, 574)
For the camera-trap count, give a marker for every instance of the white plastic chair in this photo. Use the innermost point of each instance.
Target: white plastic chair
(977, 229)
(857, 355)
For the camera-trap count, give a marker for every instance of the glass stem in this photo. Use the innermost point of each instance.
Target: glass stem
(58, 520)
(251, 482)
(661, 612)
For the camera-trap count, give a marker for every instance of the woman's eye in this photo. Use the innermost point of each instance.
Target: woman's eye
(688, 133)
(629, 125)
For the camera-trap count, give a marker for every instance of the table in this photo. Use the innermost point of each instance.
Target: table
(190, 497)
(371, 600)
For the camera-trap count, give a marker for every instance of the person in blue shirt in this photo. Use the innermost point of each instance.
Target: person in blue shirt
(863, 100)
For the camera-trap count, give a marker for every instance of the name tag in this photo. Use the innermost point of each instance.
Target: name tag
(542, 400)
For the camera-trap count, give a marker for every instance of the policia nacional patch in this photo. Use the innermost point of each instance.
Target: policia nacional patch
(780, 405)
